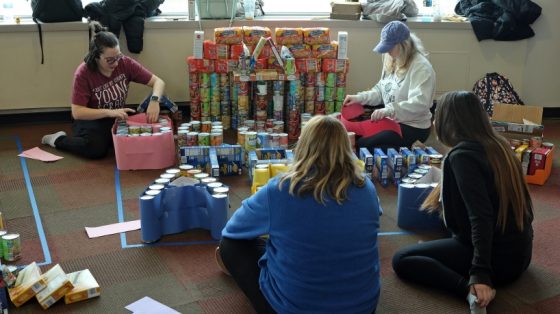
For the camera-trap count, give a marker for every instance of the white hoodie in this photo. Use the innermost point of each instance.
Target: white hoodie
(409, 98)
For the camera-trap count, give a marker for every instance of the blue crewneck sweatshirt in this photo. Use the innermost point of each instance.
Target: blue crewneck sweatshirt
(319, 258)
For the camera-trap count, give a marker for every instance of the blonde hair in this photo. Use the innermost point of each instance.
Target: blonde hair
(461, 117)
(408, 48)
(323, 162)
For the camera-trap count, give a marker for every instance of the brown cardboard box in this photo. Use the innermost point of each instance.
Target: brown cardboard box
(346, 8)
(517, 121)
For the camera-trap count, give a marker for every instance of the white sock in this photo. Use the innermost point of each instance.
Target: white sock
(473, 305)
(49, 139)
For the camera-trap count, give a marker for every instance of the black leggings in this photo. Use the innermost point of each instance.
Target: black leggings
(90, 138)
(390, 139)
(444, 264)
(240, 258)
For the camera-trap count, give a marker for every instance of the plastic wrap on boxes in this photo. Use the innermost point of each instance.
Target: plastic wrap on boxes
(57, 286)
(85, 287)
(28, 283)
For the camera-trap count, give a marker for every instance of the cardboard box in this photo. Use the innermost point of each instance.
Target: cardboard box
(525, 122)
(28, 283)
(268, 156)
(57, 286)
(200, 158)
(346, 8)
(516, 121)
(229, 158)
(85, 287)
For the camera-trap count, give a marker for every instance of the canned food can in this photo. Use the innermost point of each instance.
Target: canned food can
(174, 171)
(204, 139)
(263, 140)
(216, 139)
(185, 168)
(2, 233)
(250, 141)
(11, 247)
(191, 173)
(195, 126)
(283, 140)
(2, 223)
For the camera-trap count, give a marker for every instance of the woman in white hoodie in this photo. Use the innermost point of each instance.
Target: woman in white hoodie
(406, 89)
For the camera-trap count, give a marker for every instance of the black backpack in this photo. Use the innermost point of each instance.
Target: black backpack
(53, 11)
(495, 88)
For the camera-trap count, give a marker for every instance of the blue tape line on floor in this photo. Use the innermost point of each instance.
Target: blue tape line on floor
(33, 202)
(120, 210)
(394, 233)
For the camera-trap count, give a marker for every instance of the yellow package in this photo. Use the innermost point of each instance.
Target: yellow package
(85, 287)
(325, 51)
(57, 286)
(252, 34)
(288, 36)
(228, 35)
(316, 35)
(28, 283)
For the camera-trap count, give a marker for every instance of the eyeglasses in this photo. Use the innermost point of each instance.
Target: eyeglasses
(112, 60)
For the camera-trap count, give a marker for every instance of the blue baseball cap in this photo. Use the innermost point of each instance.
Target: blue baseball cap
(393, 33)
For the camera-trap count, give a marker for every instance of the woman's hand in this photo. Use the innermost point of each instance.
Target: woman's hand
(152, 113)
(484, 294)
(379, 114)
(350, 100)
(121, 114)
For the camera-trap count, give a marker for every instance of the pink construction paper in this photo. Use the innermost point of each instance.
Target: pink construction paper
(94, 232)
(39, 154)
(148, 305)
(352, 111)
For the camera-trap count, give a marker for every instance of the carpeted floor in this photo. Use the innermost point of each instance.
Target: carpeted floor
(49, 204)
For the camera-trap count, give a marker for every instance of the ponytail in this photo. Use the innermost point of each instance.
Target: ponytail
(100, 40)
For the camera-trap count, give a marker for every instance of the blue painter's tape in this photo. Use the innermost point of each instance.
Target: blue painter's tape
(171, 243)
(33, 202)
(119, 204)
(394, 233)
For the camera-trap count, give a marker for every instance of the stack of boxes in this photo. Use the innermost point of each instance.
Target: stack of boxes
(51, 286)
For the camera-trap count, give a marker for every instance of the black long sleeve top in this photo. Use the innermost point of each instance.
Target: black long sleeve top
(470, 203)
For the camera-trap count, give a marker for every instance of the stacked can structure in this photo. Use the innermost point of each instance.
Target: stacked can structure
(234, 82)
(194, 93)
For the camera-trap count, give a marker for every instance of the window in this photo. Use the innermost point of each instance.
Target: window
(271, 7)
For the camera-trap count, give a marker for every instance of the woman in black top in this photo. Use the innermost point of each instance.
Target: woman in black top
(485, 204)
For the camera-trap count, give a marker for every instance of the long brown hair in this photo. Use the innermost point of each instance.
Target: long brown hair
(100, 40)
(323, 161)
(460, 117)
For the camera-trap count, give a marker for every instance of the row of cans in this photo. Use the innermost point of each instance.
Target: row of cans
(251, 140)
(190, 138)
(196, 176)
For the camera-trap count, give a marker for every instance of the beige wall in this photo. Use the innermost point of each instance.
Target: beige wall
(458, 58)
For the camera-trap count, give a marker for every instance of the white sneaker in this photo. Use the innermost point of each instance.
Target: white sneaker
(49, 139)
(473, 305)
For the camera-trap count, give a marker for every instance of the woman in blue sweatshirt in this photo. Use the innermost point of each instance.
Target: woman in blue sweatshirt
(485, 204)
(322, 219)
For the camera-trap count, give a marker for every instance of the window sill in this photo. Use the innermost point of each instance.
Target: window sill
(182, 22)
